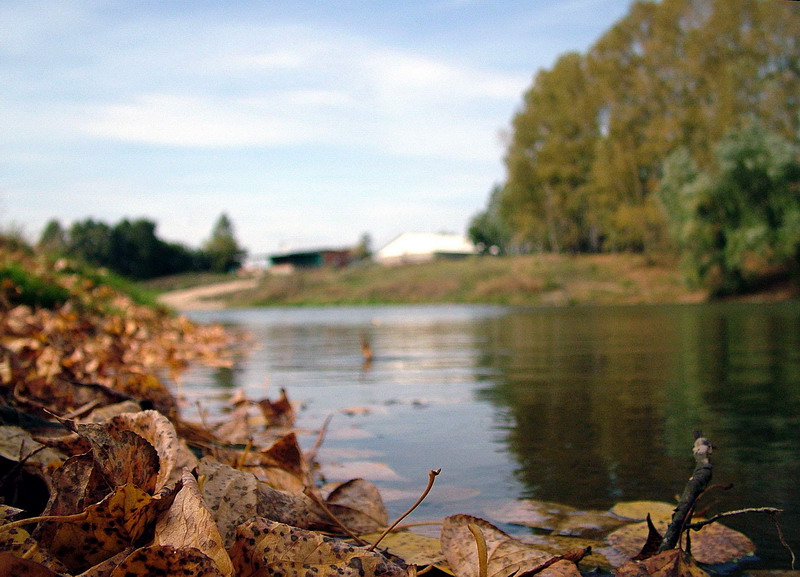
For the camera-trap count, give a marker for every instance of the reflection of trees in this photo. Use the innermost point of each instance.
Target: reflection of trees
(601, 403)
(586, 390)
(225, 377)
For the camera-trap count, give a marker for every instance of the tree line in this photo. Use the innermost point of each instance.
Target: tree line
(677, 130)
(133, 249)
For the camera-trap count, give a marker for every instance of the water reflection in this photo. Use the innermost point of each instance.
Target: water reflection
(603, 403)
(585, 406)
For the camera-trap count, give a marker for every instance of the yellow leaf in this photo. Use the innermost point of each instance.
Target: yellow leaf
(188, 523)
(506, 555)
(167, 561)
(265, 548)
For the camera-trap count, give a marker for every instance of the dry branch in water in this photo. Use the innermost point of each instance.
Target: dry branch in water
(694, 487)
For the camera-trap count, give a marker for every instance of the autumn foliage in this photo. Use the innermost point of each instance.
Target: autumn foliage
(100, 475)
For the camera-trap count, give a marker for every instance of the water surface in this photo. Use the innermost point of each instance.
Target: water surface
(583, 405)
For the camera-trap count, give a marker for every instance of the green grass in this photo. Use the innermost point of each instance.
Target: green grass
(183, 281)
(521, 280)
(22, 287)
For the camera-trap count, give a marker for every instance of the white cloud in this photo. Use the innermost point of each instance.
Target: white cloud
(321, 90)
(197, 122)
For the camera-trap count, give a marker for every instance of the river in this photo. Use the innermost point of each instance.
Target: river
(586, 406)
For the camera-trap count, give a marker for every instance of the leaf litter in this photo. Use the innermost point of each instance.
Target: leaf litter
(101, 476)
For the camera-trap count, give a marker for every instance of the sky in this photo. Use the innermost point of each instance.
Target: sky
(309, 123)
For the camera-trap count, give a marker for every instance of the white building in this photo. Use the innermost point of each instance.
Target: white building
(414, 247)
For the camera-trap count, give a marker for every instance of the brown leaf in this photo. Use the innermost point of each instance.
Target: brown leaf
(11, 565)
(639, 510)
(412, 548)
(189, 523)
(156, 429)
(266, 548)
(358, 505)
(653, 542)
(712, 545)
(562, 568)
(75, 485)
(122, 456)
(506, 555)
(279, 413)
(672, 563)
(167, 561)
(560, 519)
(16, 444)
(18, 542)
(111, 525)
(234, 497)
(285, 453)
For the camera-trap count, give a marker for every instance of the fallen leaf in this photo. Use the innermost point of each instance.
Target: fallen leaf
(672, 563)
(560, 545)
(358, 505)
(17, 445)
(371, 470)
(103, 414)
(638, 510)
(156, 429)
(11, 565)
(562, 568)
(110, 526)
(560, 519)
(167, 561)
(234, 497)
(266, 548)
(285, 453)
(506, 555)
(189, 524)
(122, 456)
(16, 541)
(713, 544)
(413, 548)
(8, 513)
(279, 413)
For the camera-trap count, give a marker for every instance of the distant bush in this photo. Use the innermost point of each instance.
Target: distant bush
(20, 287)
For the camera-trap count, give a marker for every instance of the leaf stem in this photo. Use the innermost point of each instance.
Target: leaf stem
(46, 519)
(483, 555)
(431, 478)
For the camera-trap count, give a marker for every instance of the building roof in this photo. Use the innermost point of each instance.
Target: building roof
(424, 243)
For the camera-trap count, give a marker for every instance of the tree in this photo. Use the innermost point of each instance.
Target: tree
(549, 159)
(136, 250)
(588, 145)
(363, 250)
(90, 240)
(487, 229)
(222, 249)
(739, 219)
(53, 238)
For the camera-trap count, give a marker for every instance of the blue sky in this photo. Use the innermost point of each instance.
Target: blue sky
(308, 122)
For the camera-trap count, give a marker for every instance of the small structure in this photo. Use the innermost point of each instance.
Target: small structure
(415, 247)
(311, 258)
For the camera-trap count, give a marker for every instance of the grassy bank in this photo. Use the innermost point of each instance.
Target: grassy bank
(519, 280)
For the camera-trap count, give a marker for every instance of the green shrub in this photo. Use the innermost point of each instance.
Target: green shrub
(19, 287)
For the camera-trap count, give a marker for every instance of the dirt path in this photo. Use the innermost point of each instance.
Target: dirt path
(205, 297)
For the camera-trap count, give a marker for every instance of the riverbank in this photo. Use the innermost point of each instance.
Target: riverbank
(528, 280)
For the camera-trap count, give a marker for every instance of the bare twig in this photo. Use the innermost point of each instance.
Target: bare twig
(768, 510)
(694, 487)
(771, 511)
(431, 478)
(311, 454)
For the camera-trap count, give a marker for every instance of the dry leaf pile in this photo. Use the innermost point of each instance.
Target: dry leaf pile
(100, 476)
